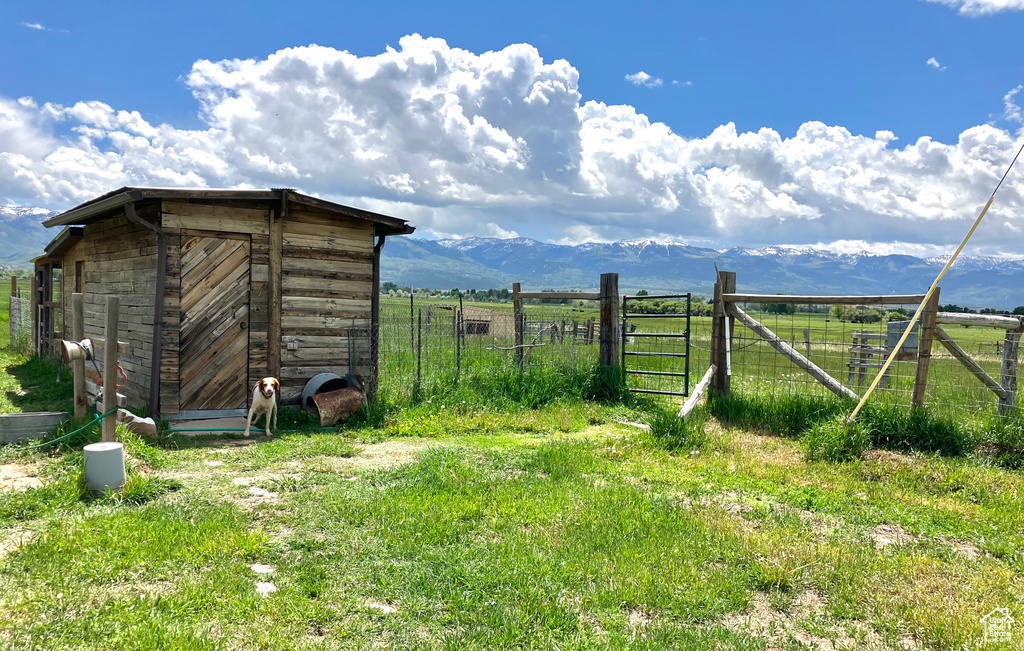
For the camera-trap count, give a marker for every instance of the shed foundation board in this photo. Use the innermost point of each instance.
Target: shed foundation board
(211, 426)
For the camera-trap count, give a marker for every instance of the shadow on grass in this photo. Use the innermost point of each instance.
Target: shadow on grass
(43, 385)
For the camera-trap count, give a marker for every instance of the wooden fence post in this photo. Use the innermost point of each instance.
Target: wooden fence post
(110, 368)
(609, 352)
(519, 322)
(34, 319)
(14, 286)
(726, 325)
(1008, 372)
(78, 366)
(924, 348)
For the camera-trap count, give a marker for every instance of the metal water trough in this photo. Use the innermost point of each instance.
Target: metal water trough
(16, 428)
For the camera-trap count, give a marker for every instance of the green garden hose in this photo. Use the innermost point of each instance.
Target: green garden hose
(97, 418)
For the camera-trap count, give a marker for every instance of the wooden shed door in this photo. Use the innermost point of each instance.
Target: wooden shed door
(214, 332)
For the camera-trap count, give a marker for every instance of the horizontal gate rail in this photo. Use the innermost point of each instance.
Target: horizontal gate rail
(658, 334)
(660, 393)
(669, 373)
(643, 354)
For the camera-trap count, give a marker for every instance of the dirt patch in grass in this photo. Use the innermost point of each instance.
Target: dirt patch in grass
(639, 620)
(964, 548)
(885, 535)
(780, 628)
(16, 477)
(15, 539)
(396, 452)
(767, 450)
(891, 459)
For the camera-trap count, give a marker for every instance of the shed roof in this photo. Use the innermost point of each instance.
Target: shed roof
(108, 205)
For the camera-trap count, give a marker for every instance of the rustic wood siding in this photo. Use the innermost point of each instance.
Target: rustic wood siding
(250, 220)
(325, 296)
(120, 259)
(67, 287)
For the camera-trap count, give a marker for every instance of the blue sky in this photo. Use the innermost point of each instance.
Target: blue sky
(857, 67)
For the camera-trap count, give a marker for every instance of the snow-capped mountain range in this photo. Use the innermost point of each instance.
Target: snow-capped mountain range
(657, 266)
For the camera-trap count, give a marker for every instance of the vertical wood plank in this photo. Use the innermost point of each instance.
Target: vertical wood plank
(924, 348)
(110, 368)
(610, 343)
(1008, 372)
(274, 308)
(78, 334)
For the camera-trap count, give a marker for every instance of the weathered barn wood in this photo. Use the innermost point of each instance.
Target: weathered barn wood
(252, 283)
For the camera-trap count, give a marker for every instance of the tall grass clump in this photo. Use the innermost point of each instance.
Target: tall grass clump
(914, 430)
(837, 440)
(788, 416)
(680, 434)
(505, 385)
(1004, 440)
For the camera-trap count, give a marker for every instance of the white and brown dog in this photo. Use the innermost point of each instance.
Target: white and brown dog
(264, 401)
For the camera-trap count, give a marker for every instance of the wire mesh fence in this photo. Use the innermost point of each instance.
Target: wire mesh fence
(20, 324)
(851, 343)
(429, 342)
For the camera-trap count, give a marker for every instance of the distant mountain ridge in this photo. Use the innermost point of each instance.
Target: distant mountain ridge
(671, 267)
(658, 267)
(22, 234)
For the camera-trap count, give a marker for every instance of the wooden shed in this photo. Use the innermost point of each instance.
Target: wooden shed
(219, 288)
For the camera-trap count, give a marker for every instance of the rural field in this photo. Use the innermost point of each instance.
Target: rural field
(490, 509)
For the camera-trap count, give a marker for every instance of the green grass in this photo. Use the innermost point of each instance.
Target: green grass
(499, 509)
(601, 538)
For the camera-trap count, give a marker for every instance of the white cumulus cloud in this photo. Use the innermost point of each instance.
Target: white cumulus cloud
(933, 62)
(503, 143)
(983, 7)
(643, 79)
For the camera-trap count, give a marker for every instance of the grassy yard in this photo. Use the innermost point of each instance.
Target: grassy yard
(509, 511)
(556, 528)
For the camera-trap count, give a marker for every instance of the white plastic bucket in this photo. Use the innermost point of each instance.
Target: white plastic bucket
(104, 466)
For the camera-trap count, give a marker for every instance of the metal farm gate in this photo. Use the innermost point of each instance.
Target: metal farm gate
(656, 345)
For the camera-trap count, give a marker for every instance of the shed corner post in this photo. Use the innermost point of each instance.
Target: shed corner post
(375, 321)
(274, 279)
(924, 349)
(610, 323)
